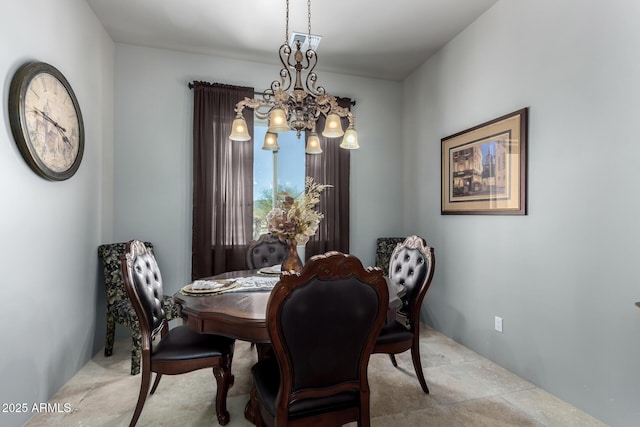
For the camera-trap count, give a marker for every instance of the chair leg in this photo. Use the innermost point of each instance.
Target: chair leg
(136, 350)
(171, 309)
(155, 383)
(111, 331)
(252, 410)
(364, 420)
(393, 360)
(224, 380)
(144, 390)
(417, 364)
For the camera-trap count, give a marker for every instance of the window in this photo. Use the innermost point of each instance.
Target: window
(283, 170)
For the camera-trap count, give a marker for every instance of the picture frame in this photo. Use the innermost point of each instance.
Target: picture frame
(484, 168)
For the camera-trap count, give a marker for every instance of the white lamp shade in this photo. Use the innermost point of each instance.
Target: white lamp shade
(332, 126)
(239, 130)
(313, 144)
(278, 121)
(270, 142)
(350, 140)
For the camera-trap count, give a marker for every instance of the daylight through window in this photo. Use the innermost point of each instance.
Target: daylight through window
(282, 170)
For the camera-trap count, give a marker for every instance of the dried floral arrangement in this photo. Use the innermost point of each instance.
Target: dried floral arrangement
(296, 218)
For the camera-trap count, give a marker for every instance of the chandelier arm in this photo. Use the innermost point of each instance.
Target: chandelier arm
(250, 102)
(324, 108)
(326, 102)
(312, 77)
(352, 120)
(257, 105)
(285, 75)
(330, 104)
(268, 94)
(261, 114)
(342, 112)
(240, 106)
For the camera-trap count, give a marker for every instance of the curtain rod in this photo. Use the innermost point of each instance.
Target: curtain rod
(353, 102)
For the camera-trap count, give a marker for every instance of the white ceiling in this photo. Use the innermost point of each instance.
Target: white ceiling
(382, 39)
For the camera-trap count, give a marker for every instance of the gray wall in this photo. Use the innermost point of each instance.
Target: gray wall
(153, 149)
(564, 278)
(49, 231)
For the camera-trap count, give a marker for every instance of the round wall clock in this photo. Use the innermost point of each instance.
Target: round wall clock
(46, 121)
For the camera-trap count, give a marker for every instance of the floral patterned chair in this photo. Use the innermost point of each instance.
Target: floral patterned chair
(384, 249)
(119, 308)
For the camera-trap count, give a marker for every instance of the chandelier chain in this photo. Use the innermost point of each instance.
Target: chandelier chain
(308, 15)
(286, 28)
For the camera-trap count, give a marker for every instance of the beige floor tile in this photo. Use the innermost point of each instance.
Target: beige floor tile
(471, 380)
(488, 412)
(466, 390)
(550, 410)
(437, 349)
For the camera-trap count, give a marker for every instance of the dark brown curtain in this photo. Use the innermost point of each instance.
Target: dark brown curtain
(222, 181)
(331, 167)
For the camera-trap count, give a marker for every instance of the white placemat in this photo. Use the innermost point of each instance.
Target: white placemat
(254, 283)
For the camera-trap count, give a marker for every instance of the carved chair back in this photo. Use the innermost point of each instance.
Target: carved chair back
(323, 324)
(145, 289)
(412, 265)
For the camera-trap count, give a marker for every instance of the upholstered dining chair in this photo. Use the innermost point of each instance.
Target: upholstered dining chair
(268, 250)
(179, 350)
(119, 308)
(412, 265)
(323, 323)
(384, 249)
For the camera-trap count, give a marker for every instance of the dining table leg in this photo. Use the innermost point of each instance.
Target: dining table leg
(264, 350)
(224, 380)
(251, 411)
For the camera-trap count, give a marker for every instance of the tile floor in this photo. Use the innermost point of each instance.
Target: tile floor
(466, 390)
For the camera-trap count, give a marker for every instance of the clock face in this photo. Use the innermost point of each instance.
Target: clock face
(51, 122)
(46, 121)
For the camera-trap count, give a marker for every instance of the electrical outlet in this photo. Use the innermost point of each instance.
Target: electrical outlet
(499, 324)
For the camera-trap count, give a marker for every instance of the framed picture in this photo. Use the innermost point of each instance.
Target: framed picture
(484, 168)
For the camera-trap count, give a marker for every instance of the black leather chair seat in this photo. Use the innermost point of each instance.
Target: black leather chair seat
(181, 343)
(394, 332)
(267, 381)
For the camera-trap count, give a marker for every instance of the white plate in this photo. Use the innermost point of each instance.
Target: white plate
(224, 285)
(270, 271)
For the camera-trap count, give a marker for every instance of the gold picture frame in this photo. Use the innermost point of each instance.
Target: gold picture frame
(484, 168)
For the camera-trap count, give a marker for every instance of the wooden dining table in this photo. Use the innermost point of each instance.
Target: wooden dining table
(242, 315)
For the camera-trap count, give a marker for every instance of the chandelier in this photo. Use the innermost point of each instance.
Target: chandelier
(300, 108)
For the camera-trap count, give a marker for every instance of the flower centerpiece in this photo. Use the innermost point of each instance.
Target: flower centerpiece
(295, 219)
